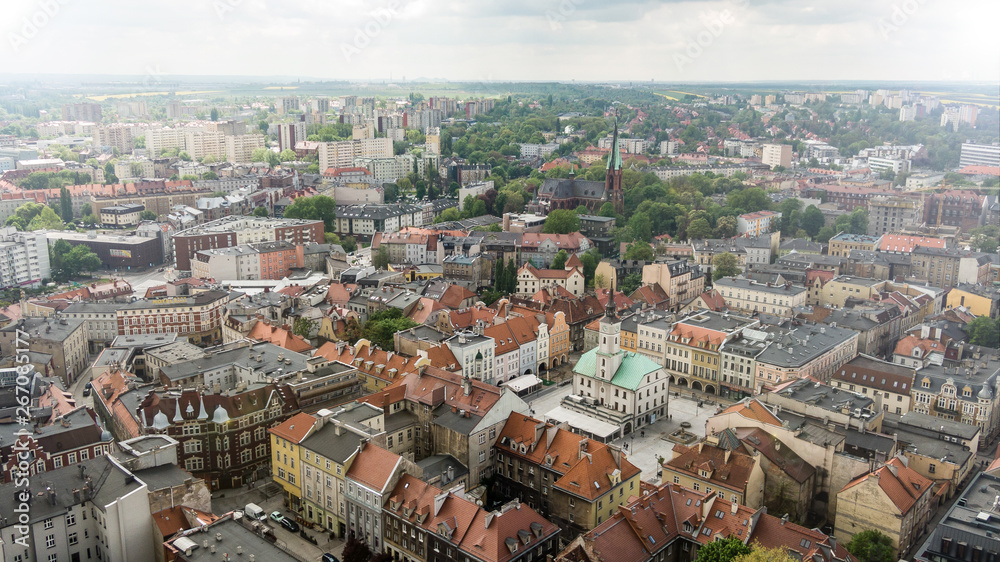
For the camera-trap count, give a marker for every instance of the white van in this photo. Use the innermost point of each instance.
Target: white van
(254, 511)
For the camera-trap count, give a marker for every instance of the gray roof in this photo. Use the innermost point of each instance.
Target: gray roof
(53, 328)
(801, 245)
(176, 352)
(163, 476)
(376, 212)
(711, 320)
(454, 421)
(144, 340)
(932, 425)
(802, 344)
(438, 465)
(971, 519)
(826, 397)
(110, 482)
(92, 308)
(199, 299)
(243, 356)
(976, 374)
(327, 443)
(233, 534)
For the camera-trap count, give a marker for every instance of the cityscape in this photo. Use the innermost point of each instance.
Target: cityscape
(668, 282)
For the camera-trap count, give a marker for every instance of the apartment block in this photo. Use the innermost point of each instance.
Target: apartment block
(235, 230)
(748, 296)
(892, 214)
(776, 155)
(24, 258)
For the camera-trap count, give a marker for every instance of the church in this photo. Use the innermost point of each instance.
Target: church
(570, 193)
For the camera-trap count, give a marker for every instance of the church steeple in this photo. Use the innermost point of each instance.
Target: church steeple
(613, 177)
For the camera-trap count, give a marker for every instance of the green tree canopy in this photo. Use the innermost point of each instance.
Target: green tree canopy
(147, 215)
(871, 545)
(382, 325)
(724, 265)
(984, 331)
(380, 259)
(317, 207)
(561, 221)
(639, 251)
(749, 200)
(762, 554)
(559, 261)
(725, 550)
(287, 155)
(699, 229)
(812, 220)
(260, 212)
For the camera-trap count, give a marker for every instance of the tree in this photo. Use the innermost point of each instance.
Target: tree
(85, 210)
(349, 244)
(287, 155)
(260, 212)
(65, 204)
(825, 234)
(498, 274)
(639, 251)
(214, 114)
(750, 200)
(699, 229)
(812, 220)
(47, 219)
(607, 210)
(510, 277)
(381, 258)
(984, 331)
(871, 545)
(317, 207)
(985, 238)
(448, 215)
(642, 226)
(762, 554)
(630, 283)
(383, 325)
(184, 156)
(724, 265)
(559, 261)
(725, 227)
(561, 221)
(356, 551)
(722, 551)
(303, 326)
(147, 215)
(601, 282)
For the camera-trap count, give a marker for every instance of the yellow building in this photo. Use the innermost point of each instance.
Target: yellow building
(981, 300)
(286, 465)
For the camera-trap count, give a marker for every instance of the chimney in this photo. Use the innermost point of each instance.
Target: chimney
(833, 544)
(467, 385)
(735, 508)
(784, 519)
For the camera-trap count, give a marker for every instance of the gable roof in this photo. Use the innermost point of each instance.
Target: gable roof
(901, 484)
(374, 466)
(753, 409)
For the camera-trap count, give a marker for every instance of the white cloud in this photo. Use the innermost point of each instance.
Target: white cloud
(514, 39)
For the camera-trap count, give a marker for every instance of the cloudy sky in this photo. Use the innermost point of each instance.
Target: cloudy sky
(712, 40)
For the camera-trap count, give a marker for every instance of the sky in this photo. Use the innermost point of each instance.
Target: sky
(508, 40)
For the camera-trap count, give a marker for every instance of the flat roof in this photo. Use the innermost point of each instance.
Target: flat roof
(583, 422)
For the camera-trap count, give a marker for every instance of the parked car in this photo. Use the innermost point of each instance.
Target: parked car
(289, 524)
(327, 557)
(277, 517)
(87, 388)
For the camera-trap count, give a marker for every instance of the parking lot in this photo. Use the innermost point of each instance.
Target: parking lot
(229, 500)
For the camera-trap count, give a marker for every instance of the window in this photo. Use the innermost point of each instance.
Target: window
(931, 468)
(70, 519)
(50, 541)
(48, 524)
(73, 539)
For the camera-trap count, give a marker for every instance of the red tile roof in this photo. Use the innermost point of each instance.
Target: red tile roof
(374, 466)
(280, 336)
(906, 244)
(901, 484)
(295, 428)
(753, 409)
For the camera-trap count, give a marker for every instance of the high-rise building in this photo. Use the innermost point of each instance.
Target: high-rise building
(239, 148)
(115, 136)
(288, 104)
(24, 258)
(891, 214)
(82, 112)
(776, 155)
(289, 134)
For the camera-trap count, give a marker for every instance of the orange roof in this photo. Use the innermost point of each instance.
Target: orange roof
(502, 337)
(441, 356)
(467, 317)
(455, 295)
(295, 428)
(980, 170)
(652, 295)
(373, 466)
(280, 336)
(339, 293)
(714, 301)
(905, 346)
(621, 301)
(424, 309)
(697, 334)
(435, 387)
(901, 484)
(906, 244)
(755, 410)
(368, 359)
(583, 475)
(574, 261)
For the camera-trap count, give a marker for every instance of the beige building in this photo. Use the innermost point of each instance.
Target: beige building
(682, 280)
(65, 339)
(725, 469)
(873, 377)
(893, 499)
(745, 295)
(843, 243)
(239, 148)
(530, 280)
(836, 291)
(776, 155)
(121, 216)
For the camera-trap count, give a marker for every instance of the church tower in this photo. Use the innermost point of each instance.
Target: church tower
(609, 350)
(613, 178)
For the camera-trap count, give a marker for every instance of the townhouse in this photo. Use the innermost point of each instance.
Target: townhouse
(873, 377)
(720, 468)
(531, 279)
(805, 351)
(692, 349)
(963, 390)
(540, 249)
(577, 483)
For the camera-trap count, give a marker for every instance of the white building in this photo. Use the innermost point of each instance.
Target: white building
(475, 353)
(24, 258)
(289, 134)
(93, 510)
(980, 155)
(366, 220)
